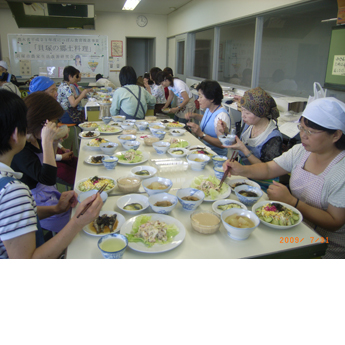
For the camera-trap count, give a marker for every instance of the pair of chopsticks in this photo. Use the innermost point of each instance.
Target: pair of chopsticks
(233, 157)
(90, 203)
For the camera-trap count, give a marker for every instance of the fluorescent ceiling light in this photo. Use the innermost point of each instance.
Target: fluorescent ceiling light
(130, 5)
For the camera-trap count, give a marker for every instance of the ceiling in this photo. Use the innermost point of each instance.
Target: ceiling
(145, 6)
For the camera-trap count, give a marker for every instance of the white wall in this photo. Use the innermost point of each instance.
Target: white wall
(117, 26)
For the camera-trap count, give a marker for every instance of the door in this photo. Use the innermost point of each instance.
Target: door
(183, 56)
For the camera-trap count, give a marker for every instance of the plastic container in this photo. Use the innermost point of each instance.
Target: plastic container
(169, 164)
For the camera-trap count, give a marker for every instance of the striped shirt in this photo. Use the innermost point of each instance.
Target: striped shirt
(17, 209)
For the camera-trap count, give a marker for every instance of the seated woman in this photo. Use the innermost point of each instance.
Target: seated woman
(6, 84)
(155, 90)
(184, 96)
(65, 160)
(130, 99)
(210, 99)
(74, 112)
(317, 168)
(37, 160)
(260, 140)
(21, 236)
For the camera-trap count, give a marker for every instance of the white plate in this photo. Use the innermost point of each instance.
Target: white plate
(174, 125)
(95, 134)
(156, 248)
(120, 218)
(278, 227)
(151, 170)
(88, 160)
(226, 202)
(116, 130)
(94, 148)
(204, 148)
(145, 155)
(84, 179)
(231, 182)
(178, 132)
(222, 196)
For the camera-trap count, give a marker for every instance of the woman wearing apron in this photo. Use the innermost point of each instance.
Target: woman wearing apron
(260, 140)
(37, 160)
(131, 100)
(20, 231)
(317, 168)
(210, 99)
(185, 100)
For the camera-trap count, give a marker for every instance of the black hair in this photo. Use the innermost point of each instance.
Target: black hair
(128, 76)
(169, 70)
(12, 115)
(147, 76)
(162, 76)
(69, 71)
(340, 144)
(99, 76)
(211, 90)
(153, 72)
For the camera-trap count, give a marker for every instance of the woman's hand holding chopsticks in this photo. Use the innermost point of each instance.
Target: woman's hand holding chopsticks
(92, 212)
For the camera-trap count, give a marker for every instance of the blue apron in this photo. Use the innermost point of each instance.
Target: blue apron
(129, 117)
(207, 126)
(39, 233)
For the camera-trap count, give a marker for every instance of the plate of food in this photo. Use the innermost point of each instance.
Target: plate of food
(277, 215)
(174, 124)
(132, 157)
(88, 126)
(174, 142)
(153, 233)
(93, 144)
(200, 149)
(108, 222)
(209, 185)
(89, 134)
(109, 129)
(94, 160)
(242, 182)
(95, 182)
(222, 205)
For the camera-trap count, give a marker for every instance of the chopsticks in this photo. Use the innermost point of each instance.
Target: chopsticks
(90, 203)
(233, 157)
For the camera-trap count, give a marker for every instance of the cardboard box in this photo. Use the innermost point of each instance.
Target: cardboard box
(296, 104)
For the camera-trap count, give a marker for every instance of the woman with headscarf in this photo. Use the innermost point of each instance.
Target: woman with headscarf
(260, 140)
(317, 168)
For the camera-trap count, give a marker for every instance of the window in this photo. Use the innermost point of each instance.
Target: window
(236, 49)
(203, 54)
(180, 57)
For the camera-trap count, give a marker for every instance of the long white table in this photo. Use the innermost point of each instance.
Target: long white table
(264, 242)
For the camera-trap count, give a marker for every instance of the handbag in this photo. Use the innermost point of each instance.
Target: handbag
(76, 115)
(321, 93)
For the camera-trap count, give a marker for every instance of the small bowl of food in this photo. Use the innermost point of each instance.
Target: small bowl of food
(118, 118)
(84, 195)
(108, 148)
(132, 131)
(162, 203)
(218, 161)
(243, 182)
(106, 119)
(248, 195)
(227, 140)
(156, 126)
(127, 137)
(220, 206)
(133, 203)
(88, 126)
(127, 125)
(177, 132)
(205, 222)
(150, 139)
(128, 184)
(178, 152)
(113, 246)
(130, 121)
(197, 162)
(159, 134)
(190, 198)
(161, 147)
(131, 144)
(143, 172)
(219, 172)
(156, 185)
(110, 162)
(142, 125)
(239, 223)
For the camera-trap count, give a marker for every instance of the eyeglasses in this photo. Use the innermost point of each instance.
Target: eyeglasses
(307, 131)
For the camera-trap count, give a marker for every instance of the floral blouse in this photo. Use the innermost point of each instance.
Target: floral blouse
(65, 91)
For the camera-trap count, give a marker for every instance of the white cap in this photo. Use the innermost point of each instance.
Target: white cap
(327, 112)
(3, 64)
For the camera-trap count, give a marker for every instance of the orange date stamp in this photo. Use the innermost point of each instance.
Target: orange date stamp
(299, 240)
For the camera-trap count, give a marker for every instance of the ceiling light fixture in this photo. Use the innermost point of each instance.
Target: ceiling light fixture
(130, 5)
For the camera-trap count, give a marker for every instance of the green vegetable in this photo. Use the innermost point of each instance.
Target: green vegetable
(182, 143)
(137, 158)
(212, 192)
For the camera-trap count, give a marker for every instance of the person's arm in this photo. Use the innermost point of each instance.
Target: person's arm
(49, 148)
(196, 116)
(169, 100)
(75, 101)
(183, 104)
(116, 103)
(24, 247)
(150, 99)
(73, 88)
(198, 132)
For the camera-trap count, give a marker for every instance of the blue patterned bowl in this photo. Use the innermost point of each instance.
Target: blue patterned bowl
(110, 162)
(84, 195)
(118, 118)
(197, 166)
(248, 201)
(218, 172)
(108, 150)
(131, 144)
(141, 125)
(153, 199)
(218, 161)
(127, 125)
(116, 254)
(159, 134)
(227, 140)
(126, 137)
(162, 180)
(106, 120)
(190, 205)
(161, 147)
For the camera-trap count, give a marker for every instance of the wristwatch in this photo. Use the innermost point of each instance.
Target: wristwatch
(203, 136)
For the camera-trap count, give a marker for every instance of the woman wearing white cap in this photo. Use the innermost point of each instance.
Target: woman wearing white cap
(317, 167)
